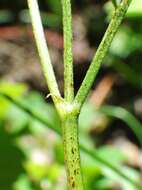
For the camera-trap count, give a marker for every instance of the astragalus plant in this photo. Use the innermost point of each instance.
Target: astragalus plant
(69, 106)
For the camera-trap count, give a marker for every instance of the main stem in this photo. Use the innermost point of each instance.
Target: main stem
(71, 152)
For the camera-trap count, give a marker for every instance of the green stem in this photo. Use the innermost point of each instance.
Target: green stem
(43, 51)
(102, 51)
(23, 106)
(71, 153)
(68, 110)
(68, 57)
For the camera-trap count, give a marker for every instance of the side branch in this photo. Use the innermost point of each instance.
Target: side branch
(43, 50)
(68, 57)
(101, 52)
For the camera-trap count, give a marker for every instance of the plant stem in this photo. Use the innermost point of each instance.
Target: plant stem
(68, 57)
(71, 153)
(93, 154)
(67, 108)
(102, 51)
(43, 51)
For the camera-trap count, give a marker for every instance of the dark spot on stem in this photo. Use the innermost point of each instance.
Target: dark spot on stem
(72, 150)
(73, 184)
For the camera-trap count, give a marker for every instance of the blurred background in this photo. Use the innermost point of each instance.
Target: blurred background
(110, 124)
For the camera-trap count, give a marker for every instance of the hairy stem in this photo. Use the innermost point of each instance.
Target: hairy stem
(93, 154)
(67, 108)
(102, 51)
(71, 153)
(43, 50)
(68, 57)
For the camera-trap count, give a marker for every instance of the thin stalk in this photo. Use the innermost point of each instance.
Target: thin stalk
(91, 153)
(68, 57)
(69, 117)
(71, 152)
(43, 50)
(102, 51)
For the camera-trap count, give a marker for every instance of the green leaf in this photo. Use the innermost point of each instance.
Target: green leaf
(117, 157)
(127, 117)
(108, 168)
(125, 42)
(55, 6)
(135, 9)
(23, 183)
(13, 90)
(16, 120)
(10, 160)
(114, 3)
(6, 16)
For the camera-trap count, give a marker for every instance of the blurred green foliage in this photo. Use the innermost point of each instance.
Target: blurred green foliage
(42, 149)
(31, 155)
